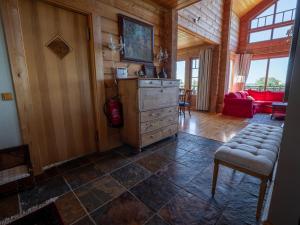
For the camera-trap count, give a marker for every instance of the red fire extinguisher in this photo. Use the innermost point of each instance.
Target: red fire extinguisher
(113, 111)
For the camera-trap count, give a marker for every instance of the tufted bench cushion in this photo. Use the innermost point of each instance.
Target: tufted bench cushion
(255, 148)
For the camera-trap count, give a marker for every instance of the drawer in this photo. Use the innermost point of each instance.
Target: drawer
(158, 123)
(151, 137)
(158, 113)
(169, 131)
(149, 83)
(170, 83)
(156, 98)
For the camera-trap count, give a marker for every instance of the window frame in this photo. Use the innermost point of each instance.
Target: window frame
(272, 26)
(191, 73)
(267, 72)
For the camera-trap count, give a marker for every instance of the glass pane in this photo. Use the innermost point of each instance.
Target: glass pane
(257, 74)
(194, 85)
(195, 63)
(281, 32)
(284, 5)
(268, 11)
(260, 36)
(277, 74)
(195, 72)
(180, 73)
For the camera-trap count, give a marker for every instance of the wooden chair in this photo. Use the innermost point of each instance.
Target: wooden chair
(185, 102)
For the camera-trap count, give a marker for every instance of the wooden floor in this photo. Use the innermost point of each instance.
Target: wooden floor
(211, 125)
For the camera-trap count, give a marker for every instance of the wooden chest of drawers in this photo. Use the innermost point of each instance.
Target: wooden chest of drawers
(150, 109)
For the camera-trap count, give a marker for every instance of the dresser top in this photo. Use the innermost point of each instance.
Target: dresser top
(140, 78)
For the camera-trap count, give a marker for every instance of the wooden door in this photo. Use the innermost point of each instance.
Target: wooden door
(57, 56)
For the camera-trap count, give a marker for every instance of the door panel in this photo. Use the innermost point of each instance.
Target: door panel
(57, 57)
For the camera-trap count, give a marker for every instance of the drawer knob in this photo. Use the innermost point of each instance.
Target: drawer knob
(161, 90)
(170, 83)
(150, 82)
(151, 136)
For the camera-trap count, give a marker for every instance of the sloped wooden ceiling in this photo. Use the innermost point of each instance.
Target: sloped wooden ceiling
(187, 39)
(241, 7)
(179, 4)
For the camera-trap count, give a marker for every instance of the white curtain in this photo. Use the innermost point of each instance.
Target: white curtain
(244, 67)
(205, 65)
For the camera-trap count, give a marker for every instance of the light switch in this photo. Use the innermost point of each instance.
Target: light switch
(7, 96)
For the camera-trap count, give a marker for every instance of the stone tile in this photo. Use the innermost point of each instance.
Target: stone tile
(47, 174)
(9, 206)
(96, 193)
(69, 208)
(154, 162)
(73, 164)
(241, 209)
(82, 175)
(190, 210)
(84, 221)
(195, 161)
(203, 191)
(43, 192)
(111, 162)
(226, 178)
(187, 145)
(155, 192)
(156, 220)
(131, 154)
(96, 156)
(178, 173)
(130, 175)
(171, 151)
(250, 184)
(124, 210)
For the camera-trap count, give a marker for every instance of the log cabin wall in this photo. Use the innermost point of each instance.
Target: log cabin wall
(234, 32)
(102, 16)
(209, 25)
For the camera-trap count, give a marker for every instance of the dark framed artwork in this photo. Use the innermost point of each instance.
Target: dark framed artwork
(138, 39)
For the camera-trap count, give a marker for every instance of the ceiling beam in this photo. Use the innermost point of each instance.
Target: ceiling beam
(186, 4)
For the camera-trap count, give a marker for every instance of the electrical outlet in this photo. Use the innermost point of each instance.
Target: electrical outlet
(7, 96)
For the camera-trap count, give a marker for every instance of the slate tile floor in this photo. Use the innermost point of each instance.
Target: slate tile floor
(167, 184)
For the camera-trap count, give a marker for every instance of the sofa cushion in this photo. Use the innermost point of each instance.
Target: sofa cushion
(274, 96)
(255, 148)
(233, 95)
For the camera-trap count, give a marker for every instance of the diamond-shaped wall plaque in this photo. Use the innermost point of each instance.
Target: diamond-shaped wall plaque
(59, 47)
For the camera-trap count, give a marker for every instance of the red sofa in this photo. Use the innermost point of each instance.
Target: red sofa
(238, 104)
(263, 100)
(241, 105)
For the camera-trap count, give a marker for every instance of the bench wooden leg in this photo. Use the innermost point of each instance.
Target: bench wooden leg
(215, 177)
(262, 192)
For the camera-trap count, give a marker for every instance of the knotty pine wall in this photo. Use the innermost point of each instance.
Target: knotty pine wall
(103, 21)
(234, 32)
(210, 24)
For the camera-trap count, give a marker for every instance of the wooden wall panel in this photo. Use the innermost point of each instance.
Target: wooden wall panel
(103, 21)
(234, 32)
(209, 25)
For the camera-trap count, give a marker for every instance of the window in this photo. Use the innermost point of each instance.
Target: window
(268, 74)
(180, 73)
(260, 36)
(281, 11)
(195, 75)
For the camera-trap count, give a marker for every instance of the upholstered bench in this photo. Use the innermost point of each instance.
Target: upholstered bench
(253, 151)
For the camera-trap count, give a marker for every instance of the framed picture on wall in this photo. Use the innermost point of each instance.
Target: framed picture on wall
(121, 72)
(138, 39)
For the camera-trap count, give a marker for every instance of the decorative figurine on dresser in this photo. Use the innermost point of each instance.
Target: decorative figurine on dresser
(150, 110)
